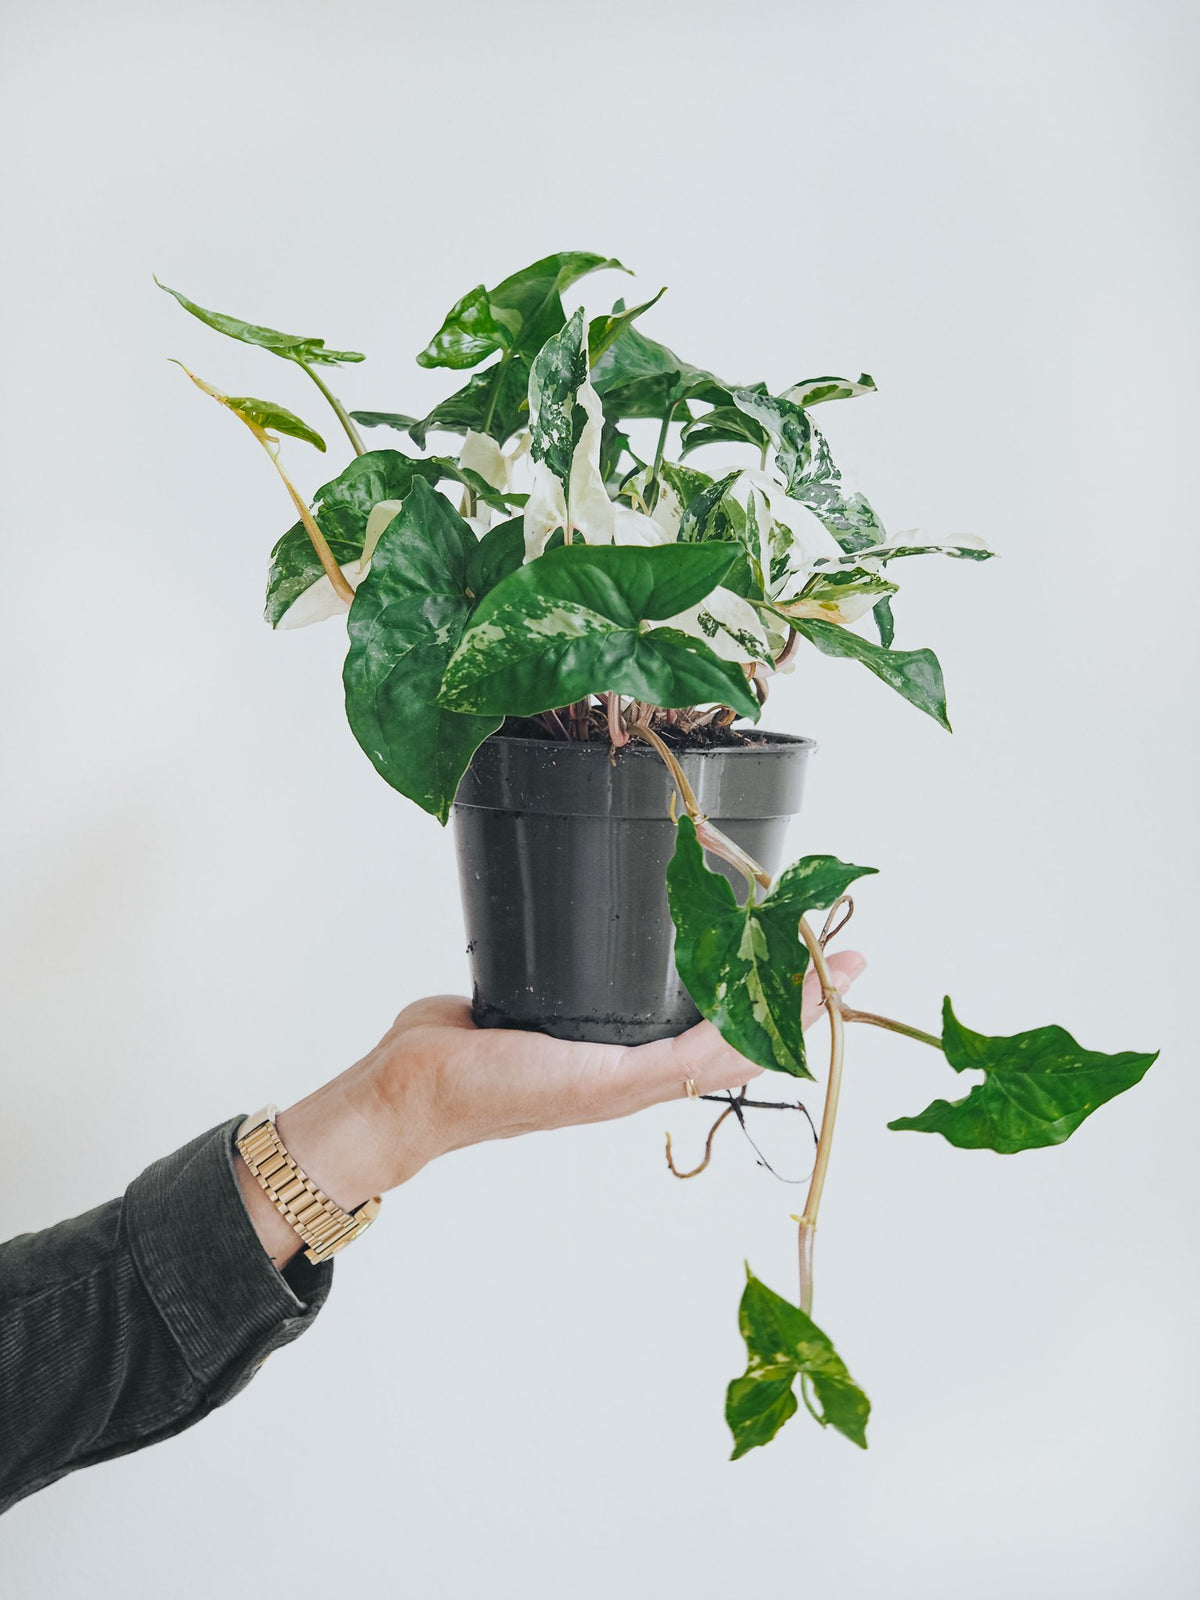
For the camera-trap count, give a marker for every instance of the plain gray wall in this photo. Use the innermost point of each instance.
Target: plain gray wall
(209, 898)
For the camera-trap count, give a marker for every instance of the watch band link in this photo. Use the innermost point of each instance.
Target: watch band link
(320, 1221)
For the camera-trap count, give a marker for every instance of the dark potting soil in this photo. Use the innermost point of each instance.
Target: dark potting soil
(705, 738)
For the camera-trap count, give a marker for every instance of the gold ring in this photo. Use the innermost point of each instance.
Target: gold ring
(689, 1085)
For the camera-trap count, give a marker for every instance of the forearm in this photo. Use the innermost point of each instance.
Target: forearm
(128, 1324)
(348, 1141)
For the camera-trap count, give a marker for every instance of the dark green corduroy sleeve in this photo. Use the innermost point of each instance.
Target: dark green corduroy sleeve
(127, 1324)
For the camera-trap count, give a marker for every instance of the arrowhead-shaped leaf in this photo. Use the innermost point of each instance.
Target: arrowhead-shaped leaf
(269, 415)
(408, 615)
(575, 622)
(916, 674)
(516, 317)
(744, 966)
(302, 349)
(783, 1344)
(1037, 1087)
(638, 377)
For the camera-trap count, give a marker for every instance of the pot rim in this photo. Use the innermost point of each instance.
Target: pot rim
(762, 744)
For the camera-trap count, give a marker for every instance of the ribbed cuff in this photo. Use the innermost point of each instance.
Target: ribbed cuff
(205, 1267)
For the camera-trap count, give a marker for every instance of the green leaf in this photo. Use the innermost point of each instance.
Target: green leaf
(268, 415)
(516, 317)
(783, 1344)
(813, 391)
(341, 508)
(407, 618)
(604, 331)
(884, 621)
(576, 621)
(499, 552)
(304, 350)
(555, 420)
(916, 674)
(638, 377)
(383, 419)
(724, 425)
(1037, 1087)
(492, 401)
(744, 965)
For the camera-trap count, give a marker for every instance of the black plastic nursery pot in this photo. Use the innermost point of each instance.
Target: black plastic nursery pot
(563, 852)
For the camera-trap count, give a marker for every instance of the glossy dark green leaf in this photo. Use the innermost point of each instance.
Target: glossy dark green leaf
(606, 330)
(516, 317)
(744, 965)
(638, 377)
(577, 621)
(408, 615)
(341, 508)
(500, 551)
(724, 425)
(556, 421)
(305, 350)
(884, 621)
(383, 419)
(916, 674)
(814, 391)
(493, 401)
(269, 415)
(783, 1344)
(1037, 1087)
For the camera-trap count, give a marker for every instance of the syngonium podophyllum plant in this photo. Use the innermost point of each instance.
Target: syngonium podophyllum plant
(619, 595)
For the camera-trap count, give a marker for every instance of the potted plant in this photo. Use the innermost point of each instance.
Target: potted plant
(569, 644)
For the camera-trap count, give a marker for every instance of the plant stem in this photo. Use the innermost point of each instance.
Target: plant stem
(325, 555)
(837, 1044)
(892, 1026)
(343, 417)
(618, 737)
(659, 452)
(500, 366)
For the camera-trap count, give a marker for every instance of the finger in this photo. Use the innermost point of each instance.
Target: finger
(660, 1071)
(843, 968)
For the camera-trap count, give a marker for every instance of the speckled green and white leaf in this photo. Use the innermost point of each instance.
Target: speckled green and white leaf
(1037, 1087)
(407, 618)
(912, 543)
(577, 621)
(303, 349)
(915, 674)
(841, 595)
(786, 426)
(832, 496)
(729, 625)
(555, 418)
(813, 391)
(783, 1344)
(744, 965)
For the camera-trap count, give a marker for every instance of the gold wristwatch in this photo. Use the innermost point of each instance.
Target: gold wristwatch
(320, 1221)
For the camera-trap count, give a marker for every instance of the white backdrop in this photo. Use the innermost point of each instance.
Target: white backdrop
(516, 1389)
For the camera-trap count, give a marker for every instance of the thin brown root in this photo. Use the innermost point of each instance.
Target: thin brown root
(708, 1144)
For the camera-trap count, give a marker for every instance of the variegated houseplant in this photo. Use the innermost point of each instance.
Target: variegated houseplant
(544, 569)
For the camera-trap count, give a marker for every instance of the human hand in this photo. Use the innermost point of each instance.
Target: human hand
(436, 1083)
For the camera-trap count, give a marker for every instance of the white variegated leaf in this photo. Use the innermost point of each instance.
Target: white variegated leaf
(728, 625)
